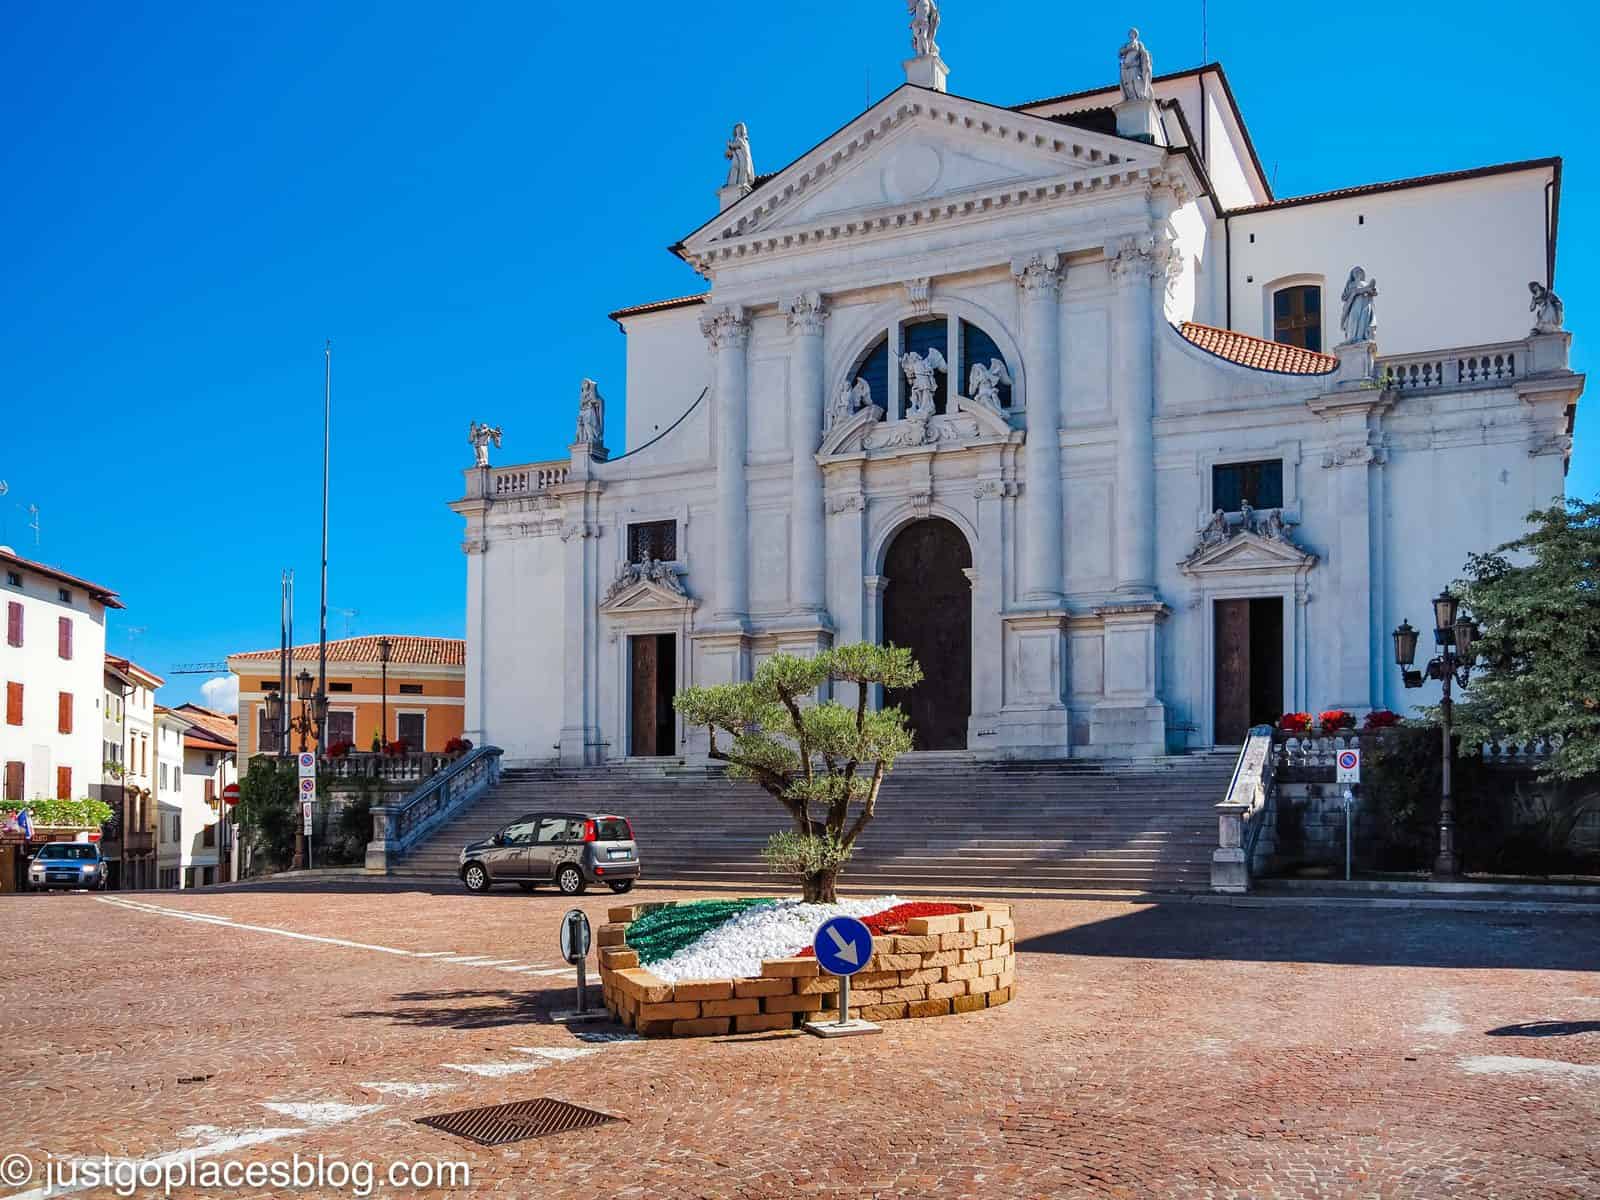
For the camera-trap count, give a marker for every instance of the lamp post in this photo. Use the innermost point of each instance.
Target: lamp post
(312, 707)
(274, 721)
(384, 646)
(1453, 634)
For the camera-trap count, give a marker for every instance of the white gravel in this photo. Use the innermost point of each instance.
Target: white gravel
(736, 949)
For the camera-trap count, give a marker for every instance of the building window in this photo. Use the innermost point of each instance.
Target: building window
(653, 539)
(63, 712)
(874, 368)
(960, 344)
(162, 778)
(1297, 316)
(209, 837)
(267, 685)
(341, 727)
(211, 760)
(64, 637)
(265, 743)
(341, 687)
(13, 704)
(979, 349)
(63, 783)
(411, 689)
(1261, 483)
(64, 595)
(924, 337)
(14, 579)
(13, 623)
(411, 729)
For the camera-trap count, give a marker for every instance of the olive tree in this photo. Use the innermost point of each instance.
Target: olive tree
(823, 761)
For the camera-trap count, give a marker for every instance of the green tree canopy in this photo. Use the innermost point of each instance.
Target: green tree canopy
(1537, 602)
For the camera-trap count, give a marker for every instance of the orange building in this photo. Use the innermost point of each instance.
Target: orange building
(421, 691)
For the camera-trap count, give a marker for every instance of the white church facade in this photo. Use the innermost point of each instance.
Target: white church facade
(1129, 452)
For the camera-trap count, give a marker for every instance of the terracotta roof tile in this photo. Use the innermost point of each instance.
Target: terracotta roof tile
(415, 651)
(1257, 353)
(103, 594)
(215, 727)
(657, 306)
(1394, 185)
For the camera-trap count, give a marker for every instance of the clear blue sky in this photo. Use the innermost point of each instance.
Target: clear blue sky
(196, 195)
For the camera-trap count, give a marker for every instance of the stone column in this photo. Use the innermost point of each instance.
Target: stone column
(1039, 279)
(728, 332)
(476, 547)
(581, 743)
(1133, 263)
(807, 545)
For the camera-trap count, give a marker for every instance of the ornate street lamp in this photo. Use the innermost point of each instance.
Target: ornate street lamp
(274, 719)
(1453, 634)
(312, 708)
(384, 646)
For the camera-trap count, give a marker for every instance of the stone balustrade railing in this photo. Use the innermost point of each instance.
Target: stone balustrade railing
(524, 479)
(398, 827)
(1316, 751)
(385, 768)
(1476, 366)
(1243, 812)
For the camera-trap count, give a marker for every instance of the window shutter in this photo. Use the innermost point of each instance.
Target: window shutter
(64, 637)
(13, 704)
(13, 623)
(63, 783)
(14, 781)
(64, 712)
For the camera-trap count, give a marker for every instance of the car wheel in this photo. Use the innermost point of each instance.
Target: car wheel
(621, 885)
(570, 880)
(526, 885)
(476, 877)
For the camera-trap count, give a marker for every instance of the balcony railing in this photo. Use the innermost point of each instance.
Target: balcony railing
(386, 768)
(524, 479)
(397, 828)
(1474, 367)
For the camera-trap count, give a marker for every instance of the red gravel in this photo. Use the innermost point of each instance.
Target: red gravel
(893, 920)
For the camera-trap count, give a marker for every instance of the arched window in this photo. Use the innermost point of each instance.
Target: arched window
(1297, 316)
(960, 345)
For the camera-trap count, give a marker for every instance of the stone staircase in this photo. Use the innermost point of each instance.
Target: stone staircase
(945, 823)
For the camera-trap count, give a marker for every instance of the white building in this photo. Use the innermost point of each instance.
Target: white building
(132, 759)
(1201, 492)
(196, 778)
(50, 662)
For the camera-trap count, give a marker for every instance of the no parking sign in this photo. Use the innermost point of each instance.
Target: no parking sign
(1348, 765)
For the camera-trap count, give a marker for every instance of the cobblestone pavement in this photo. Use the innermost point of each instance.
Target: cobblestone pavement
(1153, 1050)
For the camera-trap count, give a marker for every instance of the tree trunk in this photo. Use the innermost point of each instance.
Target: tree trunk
(820, 885)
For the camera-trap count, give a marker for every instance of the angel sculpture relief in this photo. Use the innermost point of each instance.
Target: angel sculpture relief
(984, 383)
(924, 384)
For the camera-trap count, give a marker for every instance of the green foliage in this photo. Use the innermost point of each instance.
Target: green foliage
(807, 753)
(664, 931)
(86, 813)
(1404, 777)
(266, 812)
(1537, 601)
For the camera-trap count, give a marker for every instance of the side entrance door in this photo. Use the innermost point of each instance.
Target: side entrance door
(653, 662)
(1248, 653)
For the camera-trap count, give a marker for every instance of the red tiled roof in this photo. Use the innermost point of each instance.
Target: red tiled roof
(1257, 353)
(214, 727)
(657, 306)
(129, 667)
(103, 594)
(1394, 185)
(415, 651)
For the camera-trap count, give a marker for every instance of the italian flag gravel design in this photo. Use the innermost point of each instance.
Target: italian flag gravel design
(721, 939)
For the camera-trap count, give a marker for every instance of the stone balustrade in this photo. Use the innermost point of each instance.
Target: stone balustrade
(523, 479)
(1473, 367)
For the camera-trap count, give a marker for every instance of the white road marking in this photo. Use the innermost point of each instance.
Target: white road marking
(324, 1112)
(410, 1091)
(494, 1070)
(1506, 1064)
(558, 1053)
(556, 971)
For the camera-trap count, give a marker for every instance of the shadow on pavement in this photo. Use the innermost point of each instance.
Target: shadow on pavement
(1409, 937)
(1537, 1029)
(475, 1008)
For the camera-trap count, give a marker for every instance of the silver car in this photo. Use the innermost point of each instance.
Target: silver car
(569, 850)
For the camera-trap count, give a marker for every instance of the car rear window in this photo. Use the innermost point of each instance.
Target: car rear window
(612, 829)
(81, 853)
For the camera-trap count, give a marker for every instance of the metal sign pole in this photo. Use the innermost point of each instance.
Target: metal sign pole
(844, 999)
(1349, 804)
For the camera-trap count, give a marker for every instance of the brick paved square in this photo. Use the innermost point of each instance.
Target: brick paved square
(1185, 1049)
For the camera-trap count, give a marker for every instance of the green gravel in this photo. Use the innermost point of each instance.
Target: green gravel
(664, 931)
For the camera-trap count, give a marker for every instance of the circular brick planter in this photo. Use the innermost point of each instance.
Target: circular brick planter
(957, 963)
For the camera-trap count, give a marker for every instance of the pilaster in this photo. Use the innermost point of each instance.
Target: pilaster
(807, 545)
(581, 743)
(1134, 263)
(1039, 280)
(1131, 719)
(727, 330)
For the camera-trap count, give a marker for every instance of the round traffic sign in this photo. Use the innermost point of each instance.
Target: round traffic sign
(231, 793)
(308, 789)
(1348, 760)
(575, 936)
(843, 945)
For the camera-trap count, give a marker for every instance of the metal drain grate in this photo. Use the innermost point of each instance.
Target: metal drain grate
(499, 1124)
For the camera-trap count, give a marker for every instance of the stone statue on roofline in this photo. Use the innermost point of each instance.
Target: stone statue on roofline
(1356, 319)
(1137, 77)
(1549, 314)
(479, 435)
(591, 415)
(924, 27)
(741, 166)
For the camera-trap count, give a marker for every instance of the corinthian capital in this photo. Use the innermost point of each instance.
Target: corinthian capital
(1038, 274)
(726, 328)
(1135, 257)
(806, 313)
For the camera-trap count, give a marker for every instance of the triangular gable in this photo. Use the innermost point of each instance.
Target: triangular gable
(644, 596)
(916, 155)
(1245, 551)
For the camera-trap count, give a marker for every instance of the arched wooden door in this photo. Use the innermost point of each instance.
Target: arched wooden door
(927, 607)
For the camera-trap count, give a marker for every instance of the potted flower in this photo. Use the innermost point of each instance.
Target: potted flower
(377, 742)
(396, 747)
(1295, 723)
(1335, 719)
(1380, 718)
(458, 745)
(340, 749)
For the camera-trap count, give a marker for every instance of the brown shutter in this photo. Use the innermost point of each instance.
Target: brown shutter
(211, 792)
(14, 624)
(14, 782)
(64, 637)
(64, 712)
(13, 704)
(63, 783)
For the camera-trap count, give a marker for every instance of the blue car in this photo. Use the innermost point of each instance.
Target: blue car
(67, 865)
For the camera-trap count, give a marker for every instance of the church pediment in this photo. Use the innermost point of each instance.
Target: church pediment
(916, 155)
(1247, 551)
(652, 587)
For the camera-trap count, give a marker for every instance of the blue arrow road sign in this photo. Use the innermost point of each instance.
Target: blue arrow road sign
(843, 945)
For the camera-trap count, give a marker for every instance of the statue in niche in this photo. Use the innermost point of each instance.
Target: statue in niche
(479, 435)
(741, 166)
(1356, 318)
(591, 415)
(849, 398)
(1548, 312)
(919, 371)
(924, 27)
(1136, 69)
(985, 382)
(1216, 530)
